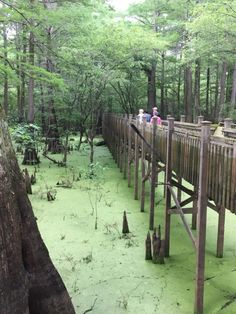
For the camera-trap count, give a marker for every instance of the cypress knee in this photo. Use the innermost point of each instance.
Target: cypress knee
(155, 244)
(158, 240)
(27, 180)
(148, 246)
(161, 253)
(125, 228)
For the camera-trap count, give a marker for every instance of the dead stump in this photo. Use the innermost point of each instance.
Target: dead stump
(155, 248)
(30, 157)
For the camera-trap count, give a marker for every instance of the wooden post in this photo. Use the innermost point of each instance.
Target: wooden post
(118, 142)
(136, 163)
(221, 232)
(168, 179)
(200, 120)
(129, 152)
(202, 217)
(182, 118)
(179, 192)
(194, 215)
(153, 174)
(143, 168)
(228, 123)
(116, 139)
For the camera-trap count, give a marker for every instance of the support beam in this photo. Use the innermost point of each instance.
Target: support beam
(168, 180)
(153, 175)
(129, 152)
(202, 217)
(194, 216)
(136, 163)
(185, 202)
(143, 169)
(221, 232)
(182, 187)
(180, 212)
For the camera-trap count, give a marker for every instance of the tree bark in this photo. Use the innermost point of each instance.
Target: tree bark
(162, 101)
(151, 91)
(216, 92)
(178, 90)
(207, 91)
(31, 80)
(21, 109)
(233, 94)
(229, 83)
(5, 88)
(188, 93)
(222, 89)
(53, 137)
(29, 282)
(197, 110)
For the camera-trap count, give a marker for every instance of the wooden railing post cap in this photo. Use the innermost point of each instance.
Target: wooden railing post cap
(206, 123)
(170, 121)
(182, 118)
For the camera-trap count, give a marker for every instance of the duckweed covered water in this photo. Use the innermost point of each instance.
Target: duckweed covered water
(106, 272)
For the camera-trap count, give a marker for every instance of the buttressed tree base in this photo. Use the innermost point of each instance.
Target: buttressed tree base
(29, 282)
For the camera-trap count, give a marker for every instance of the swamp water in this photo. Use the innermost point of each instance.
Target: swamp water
(107, 273)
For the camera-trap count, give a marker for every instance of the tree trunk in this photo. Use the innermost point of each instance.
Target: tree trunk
(197, 110)
(31, 80)
(222, 89)
(162, 101)
(151, 91)
(188, 93)
(21, 114)
(5, 88)
(229, 83)
(53, 138)
(216, 92)
(207, 91)
(233, 94)
(178, 90)
(29, 282)
(43, 114)
(30, 157)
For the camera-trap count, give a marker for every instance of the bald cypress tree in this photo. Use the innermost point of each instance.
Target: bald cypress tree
(29, 282)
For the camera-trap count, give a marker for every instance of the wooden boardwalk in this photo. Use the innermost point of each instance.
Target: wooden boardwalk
(185, 152)
(221, 188)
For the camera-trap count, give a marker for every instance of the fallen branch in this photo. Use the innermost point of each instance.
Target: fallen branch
(59, 163)
(91, 308)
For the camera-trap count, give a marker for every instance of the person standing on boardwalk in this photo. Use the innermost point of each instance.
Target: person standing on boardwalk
(158, 119)
(154, 111)
(140, 115)
(147, 116)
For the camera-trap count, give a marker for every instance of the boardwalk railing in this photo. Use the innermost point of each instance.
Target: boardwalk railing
(185, 152)
(185, 155)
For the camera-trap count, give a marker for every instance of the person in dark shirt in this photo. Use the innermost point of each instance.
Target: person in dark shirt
(147, 116)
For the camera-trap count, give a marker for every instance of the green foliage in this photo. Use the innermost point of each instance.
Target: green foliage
(26, 134)
(88, 59)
